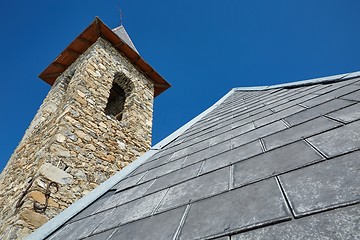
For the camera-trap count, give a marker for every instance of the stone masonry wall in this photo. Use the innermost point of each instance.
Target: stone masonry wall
(72, 142)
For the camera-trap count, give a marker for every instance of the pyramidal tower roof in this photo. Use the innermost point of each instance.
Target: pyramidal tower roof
(119, 38)
(121, 32)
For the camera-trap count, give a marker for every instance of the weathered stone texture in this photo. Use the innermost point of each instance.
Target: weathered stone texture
(71, 140)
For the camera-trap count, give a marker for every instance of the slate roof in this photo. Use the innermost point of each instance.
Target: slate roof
(276, 162)
(121, 32)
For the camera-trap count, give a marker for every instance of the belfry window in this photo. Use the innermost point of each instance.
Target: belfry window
(116, 101)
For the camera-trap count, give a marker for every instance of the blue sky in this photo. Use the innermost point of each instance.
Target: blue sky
(203, 48)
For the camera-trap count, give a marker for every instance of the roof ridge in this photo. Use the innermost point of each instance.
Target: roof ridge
(302, 83)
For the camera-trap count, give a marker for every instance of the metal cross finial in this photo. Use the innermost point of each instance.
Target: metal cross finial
(121, 18)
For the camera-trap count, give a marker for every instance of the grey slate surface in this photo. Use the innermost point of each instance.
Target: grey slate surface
(267, 163)
(121, 32)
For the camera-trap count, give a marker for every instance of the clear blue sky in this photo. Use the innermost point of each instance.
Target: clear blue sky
(203, 48)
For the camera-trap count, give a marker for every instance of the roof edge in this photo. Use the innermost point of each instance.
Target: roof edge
(52, 225)
(302, 83)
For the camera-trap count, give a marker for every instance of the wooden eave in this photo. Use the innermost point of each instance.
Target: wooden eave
(89, 36)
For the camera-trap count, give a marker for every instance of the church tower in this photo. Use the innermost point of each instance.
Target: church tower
(95, 120)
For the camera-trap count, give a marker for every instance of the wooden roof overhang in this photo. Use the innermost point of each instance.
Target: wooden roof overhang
(89, 36)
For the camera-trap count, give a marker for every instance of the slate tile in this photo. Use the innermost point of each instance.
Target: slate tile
(216, 132)
(338, 141)
(317, 111)
(327, 88)
(324, 185)
(197, 188)
(128, 182)
(180, 153)
(223, 238)
(355, 96)
(297, 132)
(276, 102)
(347, 114)
(260, 115)
(207, 137)
(274, 162)
(221, 138)
(259, 110)
(320, 99)
(93, 207)
(192, 149)
(131, 211)
(293, 102)
(331, 95)
(340, 84)
(277, 116)
(125, 196)
(157, 155)
(224, 122)
(158, 227)
(173, 143)
(257, 133)
(243, 208)
(242, 129)
(207, 153)
(101, 236)
(146, 166)
(340, 224)
(188, 141)
(81, 228)
(162, 170)
(232, 156)
(174, 178)
(249, 119)
(240, 120)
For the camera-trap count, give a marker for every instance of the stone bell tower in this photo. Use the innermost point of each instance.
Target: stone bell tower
(96, 119)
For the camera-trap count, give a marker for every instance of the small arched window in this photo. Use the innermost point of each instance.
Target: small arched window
(116, 101)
